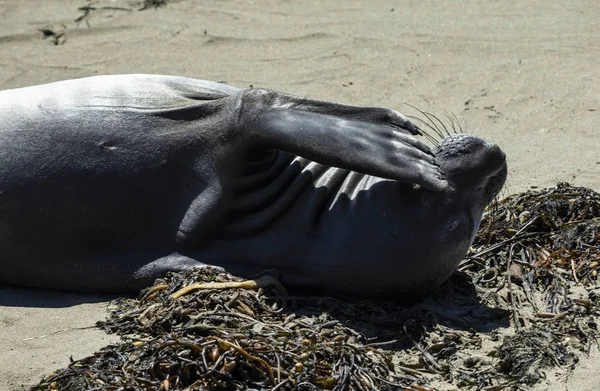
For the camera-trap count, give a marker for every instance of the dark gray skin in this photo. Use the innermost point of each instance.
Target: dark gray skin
(107, 183)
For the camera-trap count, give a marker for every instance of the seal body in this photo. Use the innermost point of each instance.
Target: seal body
(107, 183)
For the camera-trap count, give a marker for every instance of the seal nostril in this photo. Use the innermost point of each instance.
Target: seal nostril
(496, 149)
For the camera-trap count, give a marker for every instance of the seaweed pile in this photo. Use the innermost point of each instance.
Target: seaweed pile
(538, 254)
(524, 301)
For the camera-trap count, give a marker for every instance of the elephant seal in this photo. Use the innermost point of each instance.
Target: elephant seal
(109, 182)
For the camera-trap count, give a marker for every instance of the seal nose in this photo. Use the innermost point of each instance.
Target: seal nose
(497, 152)
(497, 159)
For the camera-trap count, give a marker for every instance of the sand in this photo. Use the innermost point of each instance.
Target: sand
(525, 76)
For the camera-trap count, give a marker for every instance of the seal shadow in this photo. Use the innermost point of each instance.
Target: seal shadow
(11, 296)
(395, 325)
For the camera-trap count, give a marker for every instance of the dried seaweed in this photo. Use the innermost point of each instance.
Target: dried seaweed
(525, 354)
(525, 300)
(152, 4)
(57, 36)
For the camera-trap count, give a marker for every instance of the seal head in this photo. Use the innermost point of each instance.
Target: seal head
(472, 164)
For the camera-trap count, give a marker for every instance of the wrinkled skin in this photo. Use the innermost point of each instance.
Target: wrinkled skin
(107, 183)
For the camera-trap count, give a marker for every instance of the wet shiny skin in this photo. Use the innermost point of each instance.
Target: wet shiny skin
(107, 183)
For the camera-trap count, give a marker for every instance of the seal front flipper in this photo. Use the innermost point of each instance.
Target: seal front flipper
(171, 263)
(196, 223)
(370, 140)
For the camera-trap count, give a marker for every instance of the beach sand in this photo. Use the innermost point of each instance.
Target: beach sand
(525, 76)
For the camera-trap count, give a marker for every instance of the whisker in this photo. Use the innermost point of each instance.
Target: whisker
(431, 139)
(431, 125)
(429, 136)
(450, 121)
(439, 121)
(443, 126)
(453, 121)
(460, 127)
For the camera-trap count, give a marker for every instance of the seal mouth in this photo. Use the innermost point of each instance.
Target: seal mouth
(496, 178)
(496, 182)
